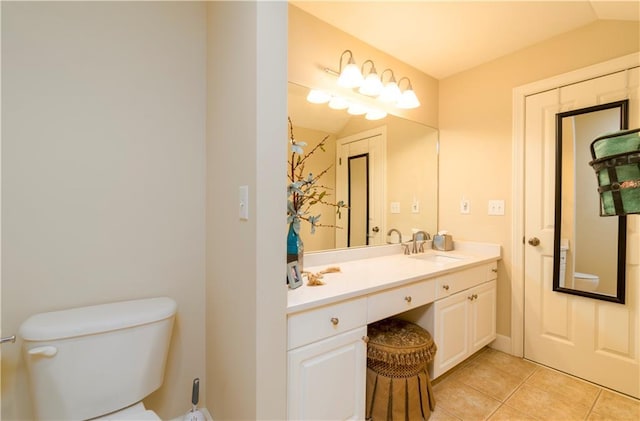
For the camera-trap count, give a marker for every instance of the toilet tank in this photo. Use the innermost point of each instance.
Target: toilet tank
(90, 361)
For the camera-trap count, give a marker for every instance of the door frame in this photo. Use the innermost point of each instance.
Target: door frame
(518, 176)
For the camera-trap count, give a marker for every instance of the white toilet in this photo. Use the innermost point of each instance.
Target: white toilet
(585, 281)
(98, 361)
(581, 281)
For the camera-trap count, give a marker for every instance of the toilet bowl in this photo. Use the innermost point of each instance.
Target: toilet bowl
(136, 412)
(585, 281)
(581, 281)
(97, 361)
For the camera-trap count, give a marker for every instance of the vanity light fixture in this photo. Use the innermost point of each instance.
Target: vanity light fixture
(350, 76)
(357, 109)
(391, 91)
(316, 96)
(375, 115)
(408, 98)
(338, 103)
(372, 85)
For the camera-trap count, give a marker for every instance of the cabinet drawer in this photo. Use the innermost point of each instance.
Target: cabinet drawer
(397, 300)
(458, 281)
(310, 326)
(492, 271)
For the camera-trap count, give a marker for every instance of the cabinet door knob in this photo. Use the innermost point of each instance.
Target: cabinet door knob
(335, 321)
(475, 296)
(365, 339)
(445, 287)
(470, 298)
(494, 270)
(408, 298)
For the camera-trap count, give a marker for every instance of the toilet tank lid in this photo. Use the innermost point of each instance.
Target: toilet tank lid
(96, 319)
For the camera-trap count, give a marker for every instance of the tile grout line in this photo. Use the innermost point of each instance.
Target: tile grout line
(593, 405)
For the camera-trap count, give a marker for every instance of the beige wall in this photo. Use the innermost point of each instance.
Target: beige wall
(103, 171)
(314, 45)
(246, 145)
(475, 132)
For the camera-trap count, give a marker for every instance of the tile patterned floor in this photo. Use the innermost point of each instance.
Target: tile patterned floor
(496, 386)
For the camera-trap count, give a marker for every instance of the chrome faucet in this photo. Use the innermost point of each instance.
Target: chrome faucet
(391, 231)
(425, 237)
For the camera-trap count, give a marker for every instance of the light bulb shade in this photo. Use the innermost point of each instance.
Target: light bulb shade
(357, 109)
(375, 115)
(372, 85)
(338, 103)
(318, 97)
(390, 92)
(408, 99)
(350, 76)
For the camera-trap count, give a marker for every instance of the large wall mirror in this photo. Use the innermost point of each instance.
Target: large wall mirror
(589, 250)
(387, 168)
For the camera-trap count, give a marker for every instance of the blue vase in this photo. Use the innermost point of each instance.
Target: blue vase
(295, 248)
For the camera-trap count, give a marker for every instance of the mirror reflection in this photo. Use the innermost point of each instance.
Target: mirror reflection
(589, 253)
(389, 167)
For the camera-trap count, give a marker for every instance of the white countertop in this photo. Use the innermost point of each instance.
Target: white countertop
(367, 270)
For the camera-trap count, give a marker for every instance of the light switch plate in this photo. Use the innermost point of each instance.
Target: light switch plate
(243, 193)
(496, 207)
(465, 206)
(395, 207)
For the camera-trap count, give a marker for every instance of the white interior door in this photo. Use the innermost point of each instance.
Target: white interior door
(351, 152)
(592, 339)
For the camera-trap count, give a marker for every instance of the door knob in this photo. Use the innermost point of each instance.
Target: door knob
(534, 241)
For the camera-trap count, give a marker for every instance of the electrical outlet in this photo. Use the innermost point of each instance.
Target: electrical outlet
(496, 207)
(465, 206)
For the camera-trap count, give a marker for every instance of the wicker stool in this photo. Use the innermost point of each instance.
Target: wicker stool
(398, 385)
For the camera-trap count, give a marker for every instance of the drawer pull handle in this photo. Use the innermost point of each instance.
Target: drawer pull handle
(335, 321)
(494, 270)
(408, 298)
(445, 287)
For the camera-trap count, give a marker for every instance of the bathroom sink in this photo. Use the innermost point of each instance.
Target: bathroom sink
(436, 258)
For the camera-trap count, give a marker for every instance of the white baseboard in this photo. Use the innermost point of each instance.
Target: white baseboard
(501, 343)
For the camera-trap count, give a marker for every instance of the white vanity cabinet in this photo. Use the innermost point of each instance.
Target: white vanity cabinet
(327, 349)
(464, 321)
(327, 362)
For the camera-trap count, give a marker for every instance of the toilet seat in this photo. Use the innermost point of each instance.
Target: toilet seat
(586, 276)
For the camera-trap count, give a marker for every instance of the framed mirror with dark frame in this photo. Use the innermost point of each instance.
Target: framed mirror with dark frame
(589, 250)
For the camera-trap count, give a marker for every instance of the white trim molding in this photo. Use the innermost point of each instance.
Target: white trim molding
(519, 96)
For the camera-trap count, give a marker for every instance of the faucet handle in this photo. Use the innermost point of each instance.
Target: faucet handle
(405, 248)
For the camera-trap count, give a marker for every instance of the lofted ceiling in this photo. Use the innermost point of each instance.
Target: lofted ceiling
(442, 38)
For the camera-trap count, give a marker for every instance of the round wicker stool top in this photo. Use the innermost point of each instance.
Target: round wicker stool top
(395, 343)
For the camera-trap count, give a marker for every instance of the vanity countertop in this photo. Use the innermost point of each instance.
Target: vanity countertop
(363, 271)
